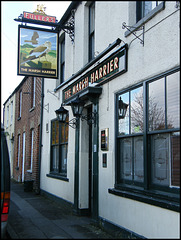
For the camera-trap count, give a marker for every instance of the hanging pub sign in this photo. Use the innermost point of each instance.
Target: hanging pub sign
(37, 52)
(113, 66)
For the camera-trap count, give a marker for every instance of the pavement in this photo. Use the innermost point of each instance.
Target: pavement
(33, 216)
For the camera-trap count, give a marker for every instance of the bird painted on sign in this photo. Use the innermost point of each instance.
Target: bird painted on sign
(38, 52)
(33, 38)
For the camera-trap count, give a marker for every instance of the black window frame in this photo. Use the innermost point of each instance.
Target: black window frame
(140, 9)
(91, 30)
(166, 197)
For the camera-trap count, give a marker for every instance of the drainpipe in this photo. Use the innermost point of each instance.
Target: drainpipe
(40, 141)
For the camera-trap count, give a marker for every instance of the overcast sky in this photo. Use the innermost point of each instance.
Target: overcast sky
(9, 39)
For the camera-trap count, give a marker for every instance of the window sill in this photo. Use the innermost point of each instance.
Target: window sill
(150, 15)
(153, 198)
(29, 171)
(58, 176)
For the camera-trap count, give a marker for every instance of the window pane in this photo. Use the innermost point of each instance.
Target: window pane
(66, 130)
(173, 100)
(126, 159)
(55, 132)
(92, 18)
(156, 105)
(137, 110)
(55, 158)
(123, 123)
(175, 160)
(160, 159)
(147, 7)
(138, 159)
(91, 47)
(64, 158)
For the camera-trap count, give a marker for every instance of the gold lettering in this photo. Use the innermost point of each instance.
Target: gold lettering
(107, 67)
(74, 90)
(111, 66)
(86, 82)
(92, 77)
(104, 70)
(100, 72)
(96, 76)
(68, 93)
(116, 63)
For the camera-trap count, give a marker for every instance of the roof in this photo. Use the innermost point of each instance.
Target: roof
(16, 89)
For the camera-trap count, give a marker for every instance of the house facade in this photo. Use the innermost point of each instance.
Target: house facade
(27, 131)
(8, 122)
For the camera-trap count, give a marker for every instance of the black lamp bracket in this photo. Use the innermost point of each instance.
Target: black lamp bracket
(132, 30)
(91, 118)
(72, 123)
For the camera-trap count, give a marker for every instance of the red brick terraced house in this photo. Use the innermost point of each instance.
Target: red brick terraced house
(27, 131)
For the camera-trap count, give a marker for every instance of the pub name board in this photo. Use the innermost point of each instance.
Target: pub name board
(38, 17)
(112, 66)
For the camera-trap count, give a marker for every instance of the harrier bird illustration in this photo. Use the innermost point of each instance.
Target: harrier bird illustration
(38, 52)
(33, 39)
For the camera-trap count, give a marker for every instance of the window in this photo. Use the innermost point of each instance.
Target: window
(33, 84)
(143, 8)
(20, 103)
(62, 61)
(148, 137)
(59, 147)
(131, 145)
(30, 163)
(91, 30)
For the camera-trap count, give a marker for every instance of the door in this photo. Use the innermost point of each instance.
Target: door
(23, 158)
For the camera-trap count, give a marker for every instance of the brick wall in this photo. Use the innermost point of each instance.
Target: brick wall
(30, 119)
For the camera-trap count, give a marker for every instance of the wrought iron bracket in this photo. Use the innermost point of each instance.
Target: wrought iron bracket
(52, 92)
(69, 26)
(131, 30)
(72, 123)
(47, 109)
(91, 118)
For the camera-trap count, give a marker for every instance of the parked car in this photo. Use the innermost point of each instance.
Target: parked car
(5, 183)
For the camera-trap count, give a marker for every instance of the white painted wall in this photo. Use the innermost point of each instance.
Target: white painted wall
(160, 53)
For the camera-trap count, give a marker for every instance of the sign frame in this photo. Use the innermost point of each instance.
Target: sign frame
(105, 139)
(38, 68)
(108, 69)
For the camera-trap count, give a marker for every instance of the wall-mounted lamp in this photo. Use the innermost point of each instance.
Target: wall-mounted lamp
(77, 107)
(122, 109)
(61, 114)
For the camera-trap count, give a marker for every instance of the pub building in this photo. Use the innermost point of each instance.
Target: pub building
(111, 125)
